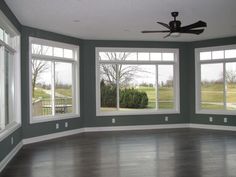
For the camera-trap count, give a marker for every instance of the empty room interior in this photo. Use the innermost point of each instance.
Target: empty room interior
(117, 88)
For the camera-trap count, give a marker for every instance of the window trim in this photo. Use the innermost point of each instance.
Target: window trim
(8, 27)
(175, 64)
(75, 78)
(198, 63)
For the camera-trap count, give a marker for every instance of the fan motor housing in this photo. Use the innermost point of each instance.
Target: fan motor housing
(175, 25)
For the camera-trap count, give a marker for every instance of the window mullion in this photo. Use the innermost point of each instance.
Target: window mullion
(2, 90)
(53, 100)
(225, 86)
(117, 88)
(157, 88)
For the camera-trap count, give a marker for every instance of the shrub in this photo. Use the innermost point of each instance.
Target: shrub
(129, 98)
(132, 98)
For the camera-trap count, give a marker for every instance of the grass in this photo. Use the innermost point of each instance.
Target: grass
(40, 93)
(165, 97)
(213, 94)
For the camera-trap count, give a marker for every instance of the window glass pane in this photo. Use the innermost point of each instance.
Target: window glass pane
(105, 56)
(7, 37)
(58, 52)
(155, 56)
(218, 54)
(132, 56)
(143, 56)
(230, 75)
(46, 50)
(165, 87)
(63, 88)
(137, 87)
(205, 55)
(212, 86)
(108, 91)
(230, 53)
(1, 34)
(168, 56)
(41, 88)
(68, 53)
(36, 49)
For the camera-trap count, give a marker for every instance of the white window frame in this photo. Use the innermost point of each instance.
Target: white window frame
(75, 78)
(175, 64)
(198, 63)
(13, 47)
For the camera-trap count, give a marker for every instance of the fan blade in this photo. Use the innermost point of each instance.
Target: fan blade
(198, 24)
(197, 31)
(167, 35)
(155, 31)
(164, 24)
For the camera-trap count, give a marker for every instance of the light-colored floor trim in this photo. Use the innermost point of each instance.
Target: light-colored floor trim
(52, 136)
(213, 127)
(100, 129)
(8, 158)
(136, 127)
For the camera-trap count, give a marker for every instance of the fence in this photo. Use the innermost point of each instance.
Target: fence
(44, 106)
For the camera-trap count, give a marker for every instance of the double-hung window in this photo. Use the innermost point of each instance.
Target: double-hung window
(54, 78)
(10, 105)
(137, 81)
(216, 80)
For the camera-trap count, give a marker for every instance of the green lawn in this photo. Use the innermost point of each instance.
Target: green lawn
(212, 96)
(165, 97)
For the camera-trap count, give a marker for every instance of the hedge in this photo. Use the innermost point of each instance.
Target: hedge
(129, 98)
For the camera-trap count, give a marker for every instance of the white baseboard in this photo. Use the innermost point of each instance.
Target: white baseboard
(213, 127)
(100, 129)
(135, 127)
(8, 158)
(52, 136)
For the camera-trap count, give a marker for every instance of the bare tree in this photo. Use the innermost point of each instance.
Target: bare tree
(230, 76)
(112, 72)
(38, 67)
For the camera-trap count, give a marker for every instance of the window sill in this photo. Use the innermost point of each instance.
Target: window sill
(41, 119)
(216, 112)
(9, 130)
(137, 112)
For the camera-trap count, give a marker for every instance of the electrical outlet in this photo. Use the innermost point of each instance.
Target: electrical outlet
(12, 140)
(113, 120)
(210, 119)
(57, 125)
(225, 120)
(166, 118)
(66, 124)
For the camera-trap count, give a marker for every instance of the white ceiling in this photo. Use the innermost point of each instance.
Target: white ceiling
(124, 19)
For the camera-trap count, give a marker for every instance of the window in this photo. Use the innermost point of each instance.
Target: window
(136, 81)
(216, 80)
(54, 74)
(10, 105)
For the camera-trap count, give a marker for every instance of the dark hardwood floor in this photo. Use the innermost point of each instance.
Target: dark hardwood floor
(149, 153)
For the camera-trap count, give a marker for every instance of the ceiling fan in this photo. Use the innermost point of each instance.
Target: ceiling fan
(175, 28)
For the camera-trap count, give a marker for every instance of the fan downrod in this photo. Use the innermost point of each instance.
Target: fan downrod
(174, 14)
